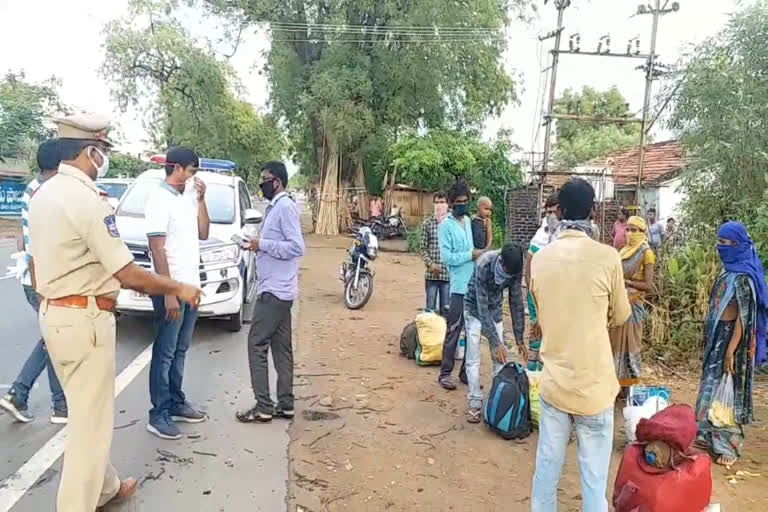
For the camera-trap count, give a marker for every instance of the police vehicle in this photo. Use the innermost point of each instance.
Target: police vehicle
(227, 273)
(114, 188)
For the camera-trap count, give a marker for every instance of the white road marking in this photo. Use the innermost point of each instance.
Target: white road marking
(16, 485)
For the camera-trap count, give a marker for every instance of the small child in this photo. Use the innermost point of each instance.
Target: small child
(482, 225)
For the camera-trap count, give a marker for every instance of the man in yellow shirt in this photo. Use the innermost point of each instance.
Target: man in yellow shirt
(578, 288)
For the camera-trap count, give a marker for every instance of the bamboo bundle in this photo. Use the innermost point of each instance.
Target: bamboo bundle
(362, 191)
(345, 217)
(328, 214)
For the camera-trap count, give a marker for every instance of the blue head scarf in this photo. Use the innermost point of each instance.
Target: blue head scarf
(743, 259)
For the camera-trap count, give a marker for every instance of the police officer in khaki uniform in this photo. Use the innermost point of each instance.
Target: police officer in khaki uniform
(78, 265)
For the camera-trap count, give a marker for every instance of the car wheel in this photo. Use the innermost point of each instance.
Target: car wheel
(235, 322)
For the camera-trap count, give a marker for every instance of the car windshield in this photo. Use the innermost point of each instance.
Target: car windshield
(113, 190)
(219, 199)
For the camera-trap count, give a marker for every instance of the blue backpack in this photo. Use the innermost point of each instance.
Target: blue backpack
(507, 410)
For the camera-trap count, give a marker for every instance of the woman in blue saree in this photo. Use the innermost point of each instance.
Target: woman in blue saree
(734, 339)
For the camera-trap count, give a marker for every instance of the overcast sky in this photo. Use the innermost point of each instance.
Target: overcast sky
(64, 38)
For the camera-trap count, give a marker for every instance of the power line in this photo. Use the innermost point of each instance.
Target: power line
(558, 34)
(652, 68)
(657, 11)
(543, 76)
(428, 29)
(390, 41)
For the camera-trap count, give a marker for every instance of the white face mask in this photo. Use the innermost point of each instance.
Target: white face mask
(189, 186)
(104, 169)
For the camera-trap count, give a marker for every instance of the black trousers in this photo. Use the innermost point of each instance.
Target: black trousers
(271, 328)
(455, 320)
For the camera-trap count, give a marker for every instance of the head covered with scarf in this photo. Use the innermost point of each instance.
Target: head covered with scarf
(742, 258)
(634, 240)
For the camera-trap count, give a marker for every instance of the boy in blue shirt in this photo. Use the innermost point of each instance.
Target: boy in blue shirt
(458, 255)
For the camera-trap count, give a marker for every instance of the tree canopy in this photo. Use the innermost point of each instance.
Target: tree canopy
(26, 110)
(349, 76)
(435, 160)
(192, 93)
(580, 141)
(125, 164)
(720, 112)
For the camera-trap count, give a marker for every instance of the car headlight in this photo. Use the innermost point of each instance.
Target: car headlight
(225, 254)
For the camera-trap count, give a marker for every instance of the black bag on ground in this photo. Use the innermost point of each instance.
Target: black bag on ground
(409, 340)
(507, 410)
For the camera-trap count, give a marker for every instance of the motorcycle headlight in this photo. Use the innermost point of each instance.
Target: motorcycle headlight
(222, 254)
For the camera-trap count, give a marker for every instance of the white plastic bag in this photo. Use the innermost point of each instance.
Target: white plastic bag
(720, 412)
(634, 413)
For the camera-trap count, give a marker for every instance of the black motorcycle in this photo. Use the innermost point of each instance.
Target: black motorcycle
(356, 272)
(391, 227)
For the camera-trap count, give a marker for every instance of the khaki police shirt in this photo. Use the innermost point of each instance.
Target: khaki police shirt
(578, 287)
(75, 243)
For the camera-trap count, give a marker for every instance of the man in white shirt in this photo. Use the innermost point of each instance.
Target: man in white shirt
(15, 402)
(176, 219)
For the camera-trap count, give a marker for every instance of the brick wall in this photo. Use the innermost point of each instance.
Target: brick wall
(523, 221)
(522, 218)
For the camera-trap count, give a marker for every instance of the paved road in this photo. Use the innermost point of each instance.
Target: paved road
(238, 467)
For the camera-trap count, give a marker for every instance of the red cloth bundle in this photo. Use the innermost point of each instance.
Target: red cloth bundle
(675, 425)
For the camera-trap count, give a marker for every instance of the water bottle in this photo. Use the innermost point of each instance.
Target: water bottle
(461, 348)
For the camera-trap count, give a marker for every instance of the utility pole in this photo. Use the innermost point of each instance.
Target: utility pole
(561, 5)
(650, 75)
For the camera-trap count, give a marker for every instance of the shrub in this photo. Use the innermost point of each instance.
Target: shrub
(414, 239)
(684, 279)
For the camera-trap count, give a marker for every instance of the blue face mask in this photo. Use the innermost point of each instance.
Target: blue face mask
(734, 253)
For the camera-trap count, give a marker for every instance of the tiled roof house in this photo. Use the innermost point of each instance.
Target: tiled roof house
(663, 162)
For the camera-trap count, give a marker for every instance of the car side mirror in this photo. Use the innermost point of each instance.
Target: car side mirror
(252, 216)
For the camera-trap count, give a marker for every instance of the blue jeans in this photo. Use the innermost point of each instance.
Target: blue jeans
(595, 440)
(37, 361)
(473, 329)
(433, 288)
(166, 371)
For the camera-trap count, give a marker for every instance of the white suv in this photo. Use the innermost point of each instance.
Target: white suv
(227, 273)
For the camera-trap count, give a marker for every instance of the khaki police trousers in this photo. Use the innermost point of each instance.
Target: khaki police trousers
(81, 344)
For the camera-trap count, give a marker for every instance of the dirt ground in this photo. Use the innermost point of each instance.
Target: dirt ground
(376, 432)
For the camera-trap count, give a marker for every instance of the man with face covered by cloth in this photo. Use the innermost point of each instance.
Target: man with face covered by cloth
(495, 272)
(78, 264)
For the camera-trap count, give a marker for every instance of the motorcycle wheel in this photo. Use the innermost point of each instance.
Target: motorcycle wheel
(359, 297)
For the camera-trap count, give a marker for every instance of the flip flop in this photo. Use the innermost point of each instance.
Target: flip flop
(721, 462)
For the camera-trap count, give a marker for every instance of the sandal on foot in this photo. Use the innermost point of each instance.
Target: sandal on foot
(726, 460)
(474, 415)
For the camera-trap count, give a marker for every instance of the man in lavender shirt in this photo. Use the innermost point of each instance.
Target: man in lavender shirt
(278, 249)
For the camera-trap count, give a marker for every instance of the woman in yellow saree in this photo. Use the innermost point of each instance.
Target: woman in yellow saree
(638, 261)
